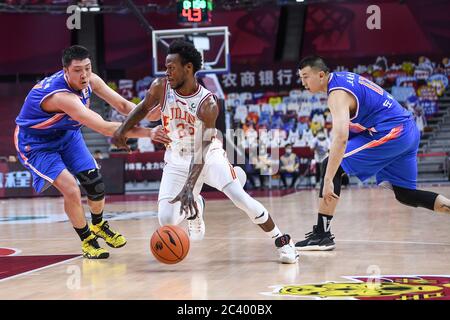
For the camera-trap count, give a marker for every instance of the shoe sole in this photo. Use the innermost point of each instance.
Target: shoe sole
(196, 239)
(102, 256)
(315, 248)
(114, 246)
(288, 261)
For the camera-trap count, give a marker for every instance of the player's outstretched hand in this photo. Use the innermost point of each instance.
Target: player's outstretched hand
(120, 141)
(188, 204)
(158, 134)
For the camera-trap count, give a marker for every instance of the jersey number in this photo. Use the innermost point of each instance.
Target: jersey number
(182, 130)
(369, 84)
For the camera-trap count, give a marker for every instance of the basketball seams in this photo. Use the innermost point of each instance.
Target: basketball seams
(164, 260)
(165, 256)
(162, 239)
(179, 239)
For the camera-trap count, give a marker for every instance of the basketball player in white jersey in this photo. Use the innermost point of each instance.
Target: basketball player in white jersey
(194, 155)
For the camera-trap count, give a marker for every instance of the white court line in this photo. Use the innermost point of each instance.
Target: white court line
(259, 238)
(39, 269)
(398, 242)
(367, 241)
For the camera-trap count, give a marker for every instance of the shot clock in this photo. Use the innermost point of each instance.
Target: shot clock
(194, 12)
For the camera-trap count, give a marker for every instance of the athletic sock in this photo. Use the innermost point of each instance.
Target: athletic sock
(97, 217)
(84, 232)
(324, 222)
(274, 233)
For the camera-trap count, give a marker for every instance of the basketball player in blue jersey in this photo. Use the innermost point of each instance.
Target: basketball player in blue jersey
(383, 142)
(50, 145)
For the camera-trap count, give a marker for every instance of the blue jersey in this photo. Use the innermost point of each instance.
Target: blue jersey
(376, 109)
(34, 119)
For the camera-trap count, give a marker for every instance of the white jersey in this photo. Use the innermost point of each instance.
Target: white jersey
(179, 117)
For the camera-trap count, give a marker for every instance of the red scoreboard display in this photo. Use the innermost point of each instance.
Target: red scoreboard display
(194, 11)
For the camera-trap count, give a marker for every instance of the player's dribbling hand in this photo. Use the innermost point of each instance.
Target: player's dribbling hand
(328, 191)
(120, 141)
(158, 134)
(188, 204)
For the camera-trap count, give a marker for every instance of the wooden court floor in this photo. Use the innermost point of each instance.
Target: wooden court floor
(375, 236)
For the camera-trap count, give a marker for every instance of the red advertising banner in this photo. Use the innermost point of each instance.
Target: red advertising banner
(148, 166)
(142, 166)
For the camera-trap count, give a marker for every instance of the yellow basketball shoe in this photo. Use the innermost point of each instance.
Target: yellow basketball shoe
(92, 250)
(112, 238)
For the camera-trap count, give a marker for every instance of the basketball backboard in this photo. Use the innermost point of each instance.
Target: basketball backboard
(212, 42)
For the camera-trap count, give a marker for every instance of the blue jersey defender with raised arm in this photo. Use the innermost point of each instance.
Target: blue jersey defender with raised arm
(50, 145)
(372, 135)
(57, 135)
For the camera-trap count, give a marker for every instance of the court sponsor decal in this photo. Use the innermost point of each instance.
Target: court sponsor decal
(384, 287)
(62, 217)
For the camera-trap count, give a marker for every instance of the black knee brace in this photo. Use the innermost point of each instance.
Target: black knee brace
(415, 198)
(92, 182)
(337, 180)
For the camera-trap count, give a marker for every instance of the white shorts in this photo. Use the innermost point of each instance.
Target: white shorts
(217, 172)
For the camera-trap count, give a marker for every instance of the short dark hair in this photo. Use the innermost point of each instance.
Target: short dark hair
(315, 62)
(74, 53)
(187, 52)
(288, 145)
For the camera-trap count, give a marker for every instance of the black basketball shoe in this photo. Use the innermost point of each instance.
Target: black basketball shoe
(316, 241)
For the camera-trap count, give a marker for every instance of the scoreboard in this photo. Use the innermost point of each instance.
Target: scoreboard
(194, 11)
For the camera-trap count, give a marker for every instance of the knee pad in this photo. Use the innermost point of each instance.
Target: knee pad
(405, 196)
(337, 180)
(415, 198)
(92, 182)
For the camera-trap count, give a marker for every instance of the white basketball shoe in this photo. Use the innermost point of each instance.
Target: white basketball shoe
(286, 249)
(196, 227)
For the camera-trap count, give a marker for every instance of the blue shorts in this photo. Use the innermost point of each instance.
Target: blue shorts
(391, 156)
(46, 156)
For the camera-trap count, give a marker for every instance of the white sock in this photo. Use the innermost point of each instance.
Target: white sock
(274, 233)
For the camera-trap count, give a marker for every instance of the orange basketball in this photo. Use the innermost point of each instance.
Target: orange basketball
(169, 244)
